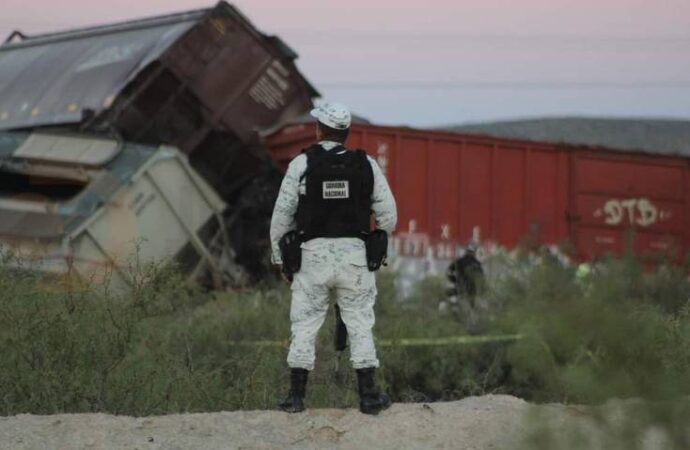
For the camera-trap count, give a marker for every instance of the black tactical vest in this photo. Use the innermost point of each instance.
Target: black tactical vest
(337, 200)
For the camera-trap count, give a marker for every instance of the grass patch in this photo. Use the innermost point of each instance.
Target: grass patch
(168, 347)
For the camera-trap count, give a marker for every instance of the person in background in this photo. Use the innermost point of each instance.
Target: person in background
(467, 275)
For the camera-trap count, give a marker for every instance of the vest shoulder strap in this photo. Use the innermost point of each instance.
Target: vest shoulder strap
(314, 159)
(311, 149)
(362, 155)
(364, 160)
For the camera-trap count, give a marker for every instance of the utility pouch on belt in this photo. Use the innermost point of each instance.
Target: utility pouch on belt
(291, 253)
(377, 249)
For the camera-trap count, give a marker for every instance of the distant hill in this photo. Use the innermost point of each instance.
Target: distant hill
(668, 137)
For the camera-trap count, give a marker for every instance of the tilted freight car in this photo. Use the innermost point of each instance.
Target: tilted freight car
(205, 82)
(452, 187)
(98, 208)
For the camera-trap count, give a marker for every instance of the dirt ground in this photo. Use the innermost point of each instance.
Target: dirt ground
(489, 422)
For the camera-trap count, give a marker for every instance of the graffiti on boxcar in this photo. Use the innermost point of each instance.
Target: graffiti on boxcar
(633, 211)
(416, 244)
(445, 231)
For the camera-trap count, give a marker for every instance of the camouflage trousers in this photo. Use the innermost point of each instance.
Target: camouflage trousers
(338, 265)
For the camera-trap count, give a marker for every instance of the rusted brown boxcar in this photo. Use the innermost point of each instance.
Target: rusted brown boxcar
(205, 81)
(451, 187)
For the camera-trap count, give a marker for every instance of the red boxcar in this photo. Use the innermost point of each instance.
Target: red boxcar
(451, 187)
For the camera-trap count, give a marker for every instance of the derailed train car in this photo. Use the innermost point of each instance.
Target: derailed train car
(102, 210)
(205, 81)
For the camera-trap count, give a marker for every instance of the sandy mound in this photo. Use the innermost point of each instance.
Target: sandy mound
(490, 422)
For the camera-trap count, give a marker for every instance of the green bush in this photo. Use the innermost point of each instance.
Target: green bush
(168, 347)
(620, 332)
(66, 348)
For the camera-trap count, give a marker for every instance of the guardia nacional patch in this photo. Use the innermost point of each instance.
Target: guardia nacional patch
(336, 189)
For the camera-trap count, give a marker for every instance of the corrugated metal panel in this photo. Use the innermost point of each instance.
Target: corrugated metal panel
(53, 79)
(451, 186)
(73, 150)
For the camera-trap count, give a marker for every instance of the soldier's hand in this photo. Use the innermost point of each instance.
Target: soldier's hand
(286, 278)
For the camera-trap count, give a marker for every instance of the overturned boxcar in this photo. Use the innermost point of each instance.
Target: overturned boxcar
(100, 208)
(205, 81)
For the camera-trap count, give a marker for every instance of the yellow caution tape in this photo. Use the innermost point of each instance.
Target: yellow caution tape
(452, 340)
(407, 342)
(285, 343)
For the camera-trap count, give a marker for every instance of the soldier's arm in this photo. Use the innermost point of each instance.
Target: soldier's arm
(382, 201)
(283, 218)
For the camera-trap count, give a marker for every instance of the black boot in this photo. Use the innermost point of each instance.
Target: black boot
(371, 401)
(294, 402)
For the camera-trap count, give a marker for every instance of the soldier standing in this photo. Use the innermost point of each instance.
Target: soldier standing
(327, 197)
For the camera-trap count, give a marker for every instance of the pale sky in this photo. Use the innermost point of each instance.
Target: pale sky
(441, 62)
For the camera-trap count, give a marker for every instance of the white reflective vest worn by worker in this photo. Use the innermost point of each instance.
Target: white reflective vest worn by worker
(337, 264)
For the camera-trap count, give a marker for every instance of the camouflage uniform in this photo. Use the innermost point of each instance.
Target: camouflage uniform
(331, 263)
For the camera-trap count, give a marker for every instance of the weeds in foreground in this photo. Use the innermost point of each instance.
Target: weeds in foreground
(167, 347)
